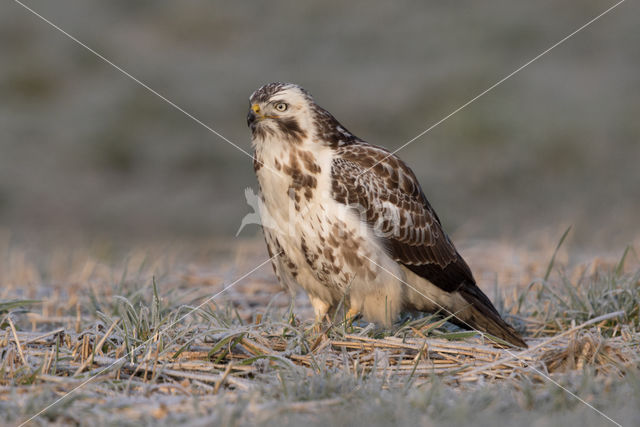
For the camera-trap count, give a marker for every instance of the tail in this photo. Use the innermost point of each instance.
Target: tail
(480, 314)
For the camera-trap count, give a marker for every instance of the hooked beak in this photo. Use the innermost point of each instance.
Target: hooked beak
(254, 115)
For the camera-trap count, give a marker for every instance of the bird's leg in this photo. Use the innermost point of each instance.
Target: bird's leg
(320, 308)
(352, 314)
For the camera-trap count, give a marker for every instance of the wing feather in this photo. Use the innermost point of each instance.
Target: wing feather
(395, 206)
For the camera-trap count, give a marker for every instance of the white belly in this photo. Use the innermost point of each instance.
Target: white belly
(336, 255)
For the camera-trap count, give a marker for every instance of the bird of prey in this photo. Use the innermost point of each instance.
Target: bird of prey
(350, 223)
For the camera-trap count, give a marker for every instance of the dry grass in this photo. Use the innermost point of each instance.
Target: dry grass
(250, 357)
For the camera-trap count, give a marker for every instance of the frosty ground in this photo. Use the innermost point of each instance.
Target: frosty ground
(167, 333)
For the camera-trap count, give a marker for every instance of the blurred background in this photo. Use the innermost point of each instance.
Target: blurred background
(86, 151)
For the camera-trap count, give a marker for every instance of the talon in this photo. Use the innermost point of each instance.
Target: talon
(352, 315)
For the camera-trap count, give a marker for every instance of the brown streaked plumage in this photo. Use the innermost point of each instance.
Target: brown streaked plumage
(353, 222)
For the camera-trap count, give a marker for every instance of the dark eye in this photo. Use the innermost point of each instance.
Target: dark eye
(281, 106)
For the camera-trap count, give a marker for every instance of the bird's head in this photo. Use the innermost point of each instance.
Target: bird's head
(287, 112)
(281, 110)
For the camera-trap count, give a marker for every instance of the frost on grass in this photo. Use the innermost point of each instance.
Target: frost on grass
(250, 356)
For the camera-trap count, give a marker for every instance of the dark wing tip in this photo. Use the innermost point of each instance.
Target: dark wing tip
(482, 315)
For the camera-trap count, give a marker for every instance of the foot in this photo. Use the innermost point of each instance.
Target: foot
(351, 316)
(320, 308)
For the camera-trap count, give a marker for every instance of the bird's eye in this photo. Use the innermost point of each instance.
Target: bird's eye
(281, 106)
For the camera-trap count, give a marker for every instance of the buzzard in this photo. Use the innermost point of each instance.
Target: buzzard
(349, 222)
